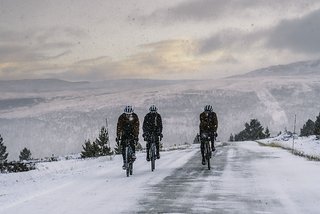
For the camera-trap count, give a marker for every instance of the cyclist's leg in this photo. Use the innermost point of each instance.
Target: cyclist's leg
(148, 150)
(212, 143)
(158, 148)
(133, 146)
(202, 152)
(123, 151)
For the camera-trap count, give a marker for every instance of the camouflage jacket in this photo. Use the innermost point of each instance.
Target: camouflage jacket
(128, 126)
(208, 122)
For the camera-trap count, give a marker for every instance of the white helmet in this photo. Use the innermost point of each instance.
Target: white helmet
(208, 108)
(128, 110)
(153, 108)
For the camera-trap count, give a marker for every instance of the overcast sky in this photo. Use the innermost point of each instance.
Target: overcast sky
(157, 39)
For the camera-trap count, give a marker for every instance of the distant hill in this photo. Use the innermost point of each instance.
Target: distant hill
(37, 85)
(294, 69)
(48, 85)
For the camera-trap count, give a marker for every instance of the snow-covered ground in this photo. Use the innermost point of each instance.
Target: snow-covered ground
(84, 186)
(245, 178)
(304, 146)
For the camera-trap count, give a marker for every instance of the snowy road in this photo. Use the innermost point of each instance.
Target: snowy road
(245, 178)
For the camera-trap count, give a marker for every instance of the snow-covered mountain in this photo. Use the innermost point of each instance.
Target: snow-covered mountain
(294, 69)
(55, 117)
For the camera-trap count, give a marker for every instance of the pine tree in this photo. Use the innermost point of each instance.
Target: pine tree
(241, 136)
(25, 154)
(90, 149)
(139, 147)
(103, 142)
(267, 133)
(252, 131)
(256, 130)
(317, 126)
(231, 138)
(196, 139)
(118, 148)
(3, 151)
(308, 128)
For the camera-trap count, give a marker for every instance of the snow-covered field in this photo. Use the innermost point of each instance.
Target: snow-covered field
(304, 146)
(84, 186)
(245, 178)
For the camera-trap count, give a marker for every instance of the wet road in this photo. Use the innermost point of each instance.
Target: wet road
(245, 178)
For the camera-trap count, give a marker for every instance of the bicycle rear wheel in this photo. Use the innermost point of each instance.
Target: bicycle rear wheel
(130, 168)
(127, 162)
(153, 157)
(208, 155)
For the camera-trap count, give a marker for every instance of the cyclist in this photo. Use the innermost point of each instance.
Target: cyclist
(208, 125)
(128, 129)
(152, 124)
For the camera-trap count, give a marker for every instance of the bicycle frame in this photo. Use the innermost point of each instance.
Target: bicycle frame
(207, 149)
(153, 151)
(128, 158)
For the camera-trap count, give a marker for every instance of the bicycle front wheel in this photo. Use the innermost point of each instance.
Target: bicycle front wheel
(130, 168)
(153, 158)
(208, 155)
(127, 162)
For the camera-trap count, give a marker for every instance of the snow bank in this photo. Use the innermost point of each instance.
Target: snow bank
(304, 146)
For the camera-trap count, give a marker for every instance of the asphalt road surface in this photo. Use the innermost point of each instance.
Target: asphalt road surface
(245, 178)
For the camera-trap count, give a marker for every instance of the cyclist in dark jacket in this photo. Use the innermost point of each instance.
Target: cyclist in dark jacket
(209, 126)
(128, 129)
(152, 124)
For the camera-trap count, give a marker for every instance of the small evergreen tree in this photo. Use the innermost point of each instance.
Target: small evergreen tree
(90, 149)
(267, 133)
(139, 147)
(118, 148)
(256, 130)
(308, 128)
(241, 136)
(317, 125)
(231, 138)
(103, 142)
(3, 151)
(252, 131)
(196, 139)
(25, 154)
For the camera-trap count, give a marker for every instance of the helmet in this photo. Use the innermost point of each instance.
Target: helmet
(128, 110)
(208, 108)
(153, 108)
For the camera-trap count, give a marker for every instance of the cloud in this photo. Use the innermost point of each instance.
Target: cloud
(300, 34)
(208, 10)
(30, 53)
(34, 45)
(232, 40)
(163, 59)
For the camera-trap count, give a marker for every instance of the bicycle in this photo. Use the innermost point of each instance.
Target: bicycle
(128, 158)
(207, 148)
(153, 151)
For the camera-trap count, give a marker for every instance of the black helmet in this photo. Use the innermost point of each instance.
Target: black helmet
(153, 108)
(208, 108)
